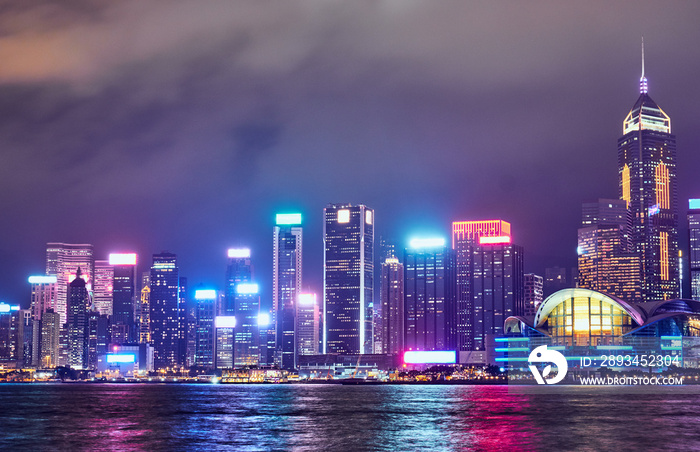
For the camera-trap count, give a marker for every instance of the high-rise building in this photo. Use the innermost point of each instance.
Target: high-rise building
(465, 237)
(392, 306)
(308, 317)
(286, 284)
(43, 298)
(10, 350)
(348, 278)
(77, 322)
(239, 270)
(98, 332)
(533, 293)
(647, 176)
(694, 247)
(428, 294)
(103, 286)
(50, 339)
(164, 310)
(145, 320)
(206, 300)
(247, 310)
(62, 261)
(123, 298)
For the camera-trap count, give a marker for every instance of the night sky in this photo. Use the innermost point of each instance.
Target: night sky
(185, 126)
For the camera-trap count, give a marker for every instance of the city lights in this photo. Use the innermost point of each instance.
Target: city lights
(225, 321)
(205, 294)
(307, 299)
(343, 216)
(430, 357)
(247, 289)
(263, 319)
(42, 280)
(495, 240)
(122, 259)
(427, 243)
(121, 358)
(288, 218)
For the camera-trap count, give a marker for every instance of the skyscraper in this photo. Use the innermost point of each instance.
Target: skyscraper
(77, 323)
(647, 175)
(428, 294)
(205, 334)
(247, 335)
(392, 306)
(239, 270)
(43, 300)
(694, 247)
(164, 310)
(123, 298)
(62, 261)
(308, 316)
(465, 237)
(533, 293)
(286, 283)
(102, 287)
(348, 278)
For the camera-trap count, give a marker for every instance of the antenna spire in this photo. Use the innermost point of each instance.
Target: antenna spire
(643, 87)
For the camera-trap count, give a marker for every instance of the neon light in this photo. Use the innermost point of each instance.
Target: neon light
(247, 288)
(496, 240)
(626, 193)
(653, 210)
(119, 358)
(122, 259)
(239, 253)
(430, 357)
(43, 279)
(205, 294)
(225, 321)
(368, 216)
(164, 265)
(288, 218)
(663, 186)
(307, 299)
(427, 243)
(263, 319)
(343, 216)
(472, 230)
(391, 260)
(694, 204)
(4, 307)
(14, 308)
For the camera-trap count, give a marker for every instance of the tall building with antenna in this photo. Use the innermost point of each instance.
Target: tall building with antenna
(647, 176)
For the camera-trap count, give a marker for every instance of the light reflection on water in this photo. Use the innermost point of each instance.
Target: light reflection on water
(335, 417)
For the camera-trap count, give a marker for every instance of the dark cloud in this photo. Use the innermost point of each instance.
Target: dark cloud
(184, 125)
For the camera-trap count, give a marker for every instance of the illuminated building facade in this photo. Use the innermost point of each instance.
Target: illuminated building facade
(429, 295)
(392, 306)
(286, 284)
(77, 322)
(247, 335)
(123, 298)
(533, 293)
(465, 241)
(694, 247)
(348, 278)
(98, 333)
(62, 261)
(10, 351)
(102, 287)
(50, 339)
(43, 294)
(164, 310)
(308, 317)
(647, 175)
(205, 333)
(239, 270)
(145, 318)
(606, 262)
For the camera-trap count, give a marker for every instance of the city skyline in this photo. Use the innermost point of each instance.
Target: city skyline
(437, 132)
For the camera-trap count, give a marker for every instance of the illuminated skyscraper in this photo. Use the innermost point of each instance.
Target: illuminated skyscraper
(50, 335)
(102, 287)
(164, 310)
(43, 300)
(465, 240)
(428, 295)
(533, 290)
(286, 283)
(123, 298)
(205, 333)
(308, 316)
(694, 247)
(348, 278)
(247, 335)
(647, 175)
(392, 306)
(239, 270)
(62, 261)
(77, 323)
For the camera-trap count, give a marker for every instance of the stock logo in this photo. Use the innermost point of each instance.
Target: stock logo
(542, 355)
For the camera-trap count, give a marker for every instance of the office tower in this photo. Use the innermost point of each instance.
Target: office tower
(10, 351)
(497, 282)
(465, 237)
(50, 339)
(77, 322)
(647, 175)
(164, 310)
(533, 293)
(98, 331)
(694, 247)
(429, 294)
(123, 292)
(308, 318)
(555, 278)
(43, 298)
(239, 270)
(392, 306)
(247, 309)
(62, 261)
(348, 278)
(25, 341)
(606, 262)
(286, 283)
(185, 324)
(102, 287)
(204, 335)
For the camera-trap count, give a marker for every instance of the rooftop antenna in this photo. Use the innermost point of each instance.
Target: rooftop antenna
(643, 87)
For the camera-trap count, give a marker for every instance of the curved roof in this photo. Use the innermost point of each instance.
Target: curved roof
(560, 296)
